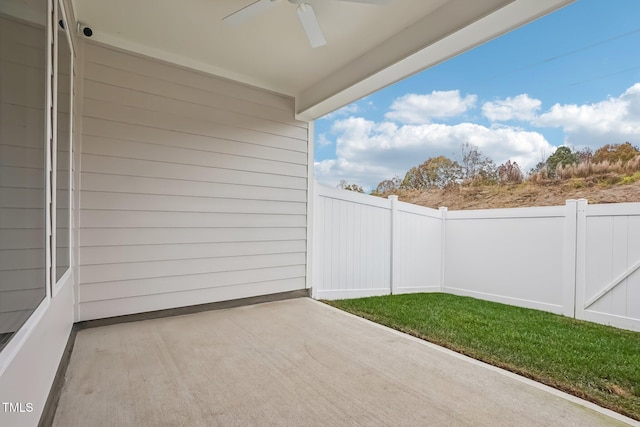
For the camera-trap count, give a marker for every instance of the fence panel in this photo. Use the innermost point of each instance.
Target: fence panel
(352, 244)
(417, 261)
(578, 260)
(608, 289)
(513, 256)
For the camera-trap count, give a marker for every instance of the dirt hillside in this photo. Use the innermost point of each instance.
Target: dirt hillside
(551, 193)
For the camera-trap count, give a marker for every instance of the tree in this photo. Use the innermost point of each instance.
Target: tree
(538, 168)
(351, 187)
(436, 172)
(614, 153)
(509, 172)
(562, 156)
(584, 155)
(388, 185)
(476, 166)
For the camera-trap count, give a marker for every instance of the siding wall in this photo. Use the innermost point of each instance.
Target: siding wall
(193, 189)
(22, 198)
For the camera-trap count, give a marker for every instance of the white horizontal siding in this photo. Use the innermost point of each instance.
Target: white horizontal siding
(270, 148)
(184, 267)
(108, 76)
(221, 89)
(101, 200)
(134, 288)
(171, 122)
(193, 188)
(110, 147)
(191, 235)
(140, 253)
(154, 169)
(172, 187)
(172, 107)
(173, 219)
(159, 300)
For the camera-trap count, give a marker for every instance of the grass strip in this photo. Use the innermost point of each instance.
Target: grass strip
(595, 362)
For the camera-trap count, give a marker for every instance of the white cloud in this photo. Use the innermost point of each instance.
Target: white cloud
(418, 109)
(323, 140)
(368, 152)
(612, 121)
(520, 107)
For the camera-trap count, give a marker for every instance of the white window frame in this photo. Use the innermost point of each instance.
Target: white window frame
(13, 347)
(61, 14)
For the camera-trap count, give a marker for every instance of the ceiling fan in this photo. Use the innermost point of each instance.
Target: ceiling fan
(305, 12)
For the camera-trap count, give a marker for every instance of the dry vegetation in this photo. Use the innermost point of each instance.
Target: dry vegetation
(611, 175)
(528, 193)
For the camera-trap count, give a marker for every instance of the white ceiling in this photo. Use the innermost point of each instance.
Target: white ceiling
(365, 43)
(273, 42)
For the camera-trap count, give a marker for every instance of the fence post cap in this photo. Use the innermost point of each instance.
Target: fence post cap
(392, 197)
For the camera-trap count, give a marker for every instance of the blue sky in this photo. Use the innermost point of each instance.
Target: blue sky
(570, 78)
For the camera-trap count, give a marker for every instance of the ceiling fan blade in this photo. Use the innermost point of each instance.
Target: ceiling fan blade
(368, 1)
(311, 25)
(248, 12)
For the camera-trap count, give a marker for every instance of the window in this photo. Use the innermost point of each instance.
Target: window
(23, 69)
(63, 150)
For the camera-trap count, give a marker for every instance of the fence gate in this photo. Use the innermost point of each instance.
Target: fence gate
(608, 264)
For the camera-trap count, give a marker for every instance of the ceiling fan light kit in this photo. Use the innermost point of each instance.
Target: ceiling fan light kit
(306, 15)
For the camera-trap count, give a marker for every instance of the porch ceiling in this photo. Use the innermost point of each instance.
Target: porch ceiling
(368, 46)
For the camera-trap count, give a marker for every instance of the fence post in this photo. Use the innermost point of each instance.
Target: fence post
(395, 248)
(443, 243)
(570, 258)
(312, 239)
(581, 260)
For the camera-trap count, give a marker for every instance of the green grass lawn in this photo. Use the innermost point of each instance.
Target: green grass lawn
(596, 362)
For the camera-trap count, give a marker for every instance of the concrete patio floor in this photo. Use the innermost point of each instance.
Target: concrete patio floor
(296, 363)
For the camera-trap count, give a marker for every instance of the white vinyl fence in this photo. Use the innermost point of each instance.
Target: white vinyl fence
(577, 260)
(608, 265)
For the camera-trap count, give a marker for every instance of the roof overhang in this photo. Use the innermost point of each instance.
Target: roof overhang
(414, 50)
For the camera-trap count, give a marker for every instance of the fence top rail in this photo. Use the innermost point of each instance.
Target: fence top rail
(506, 213)
(352, 196)
(418, 210)
(613, 209)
